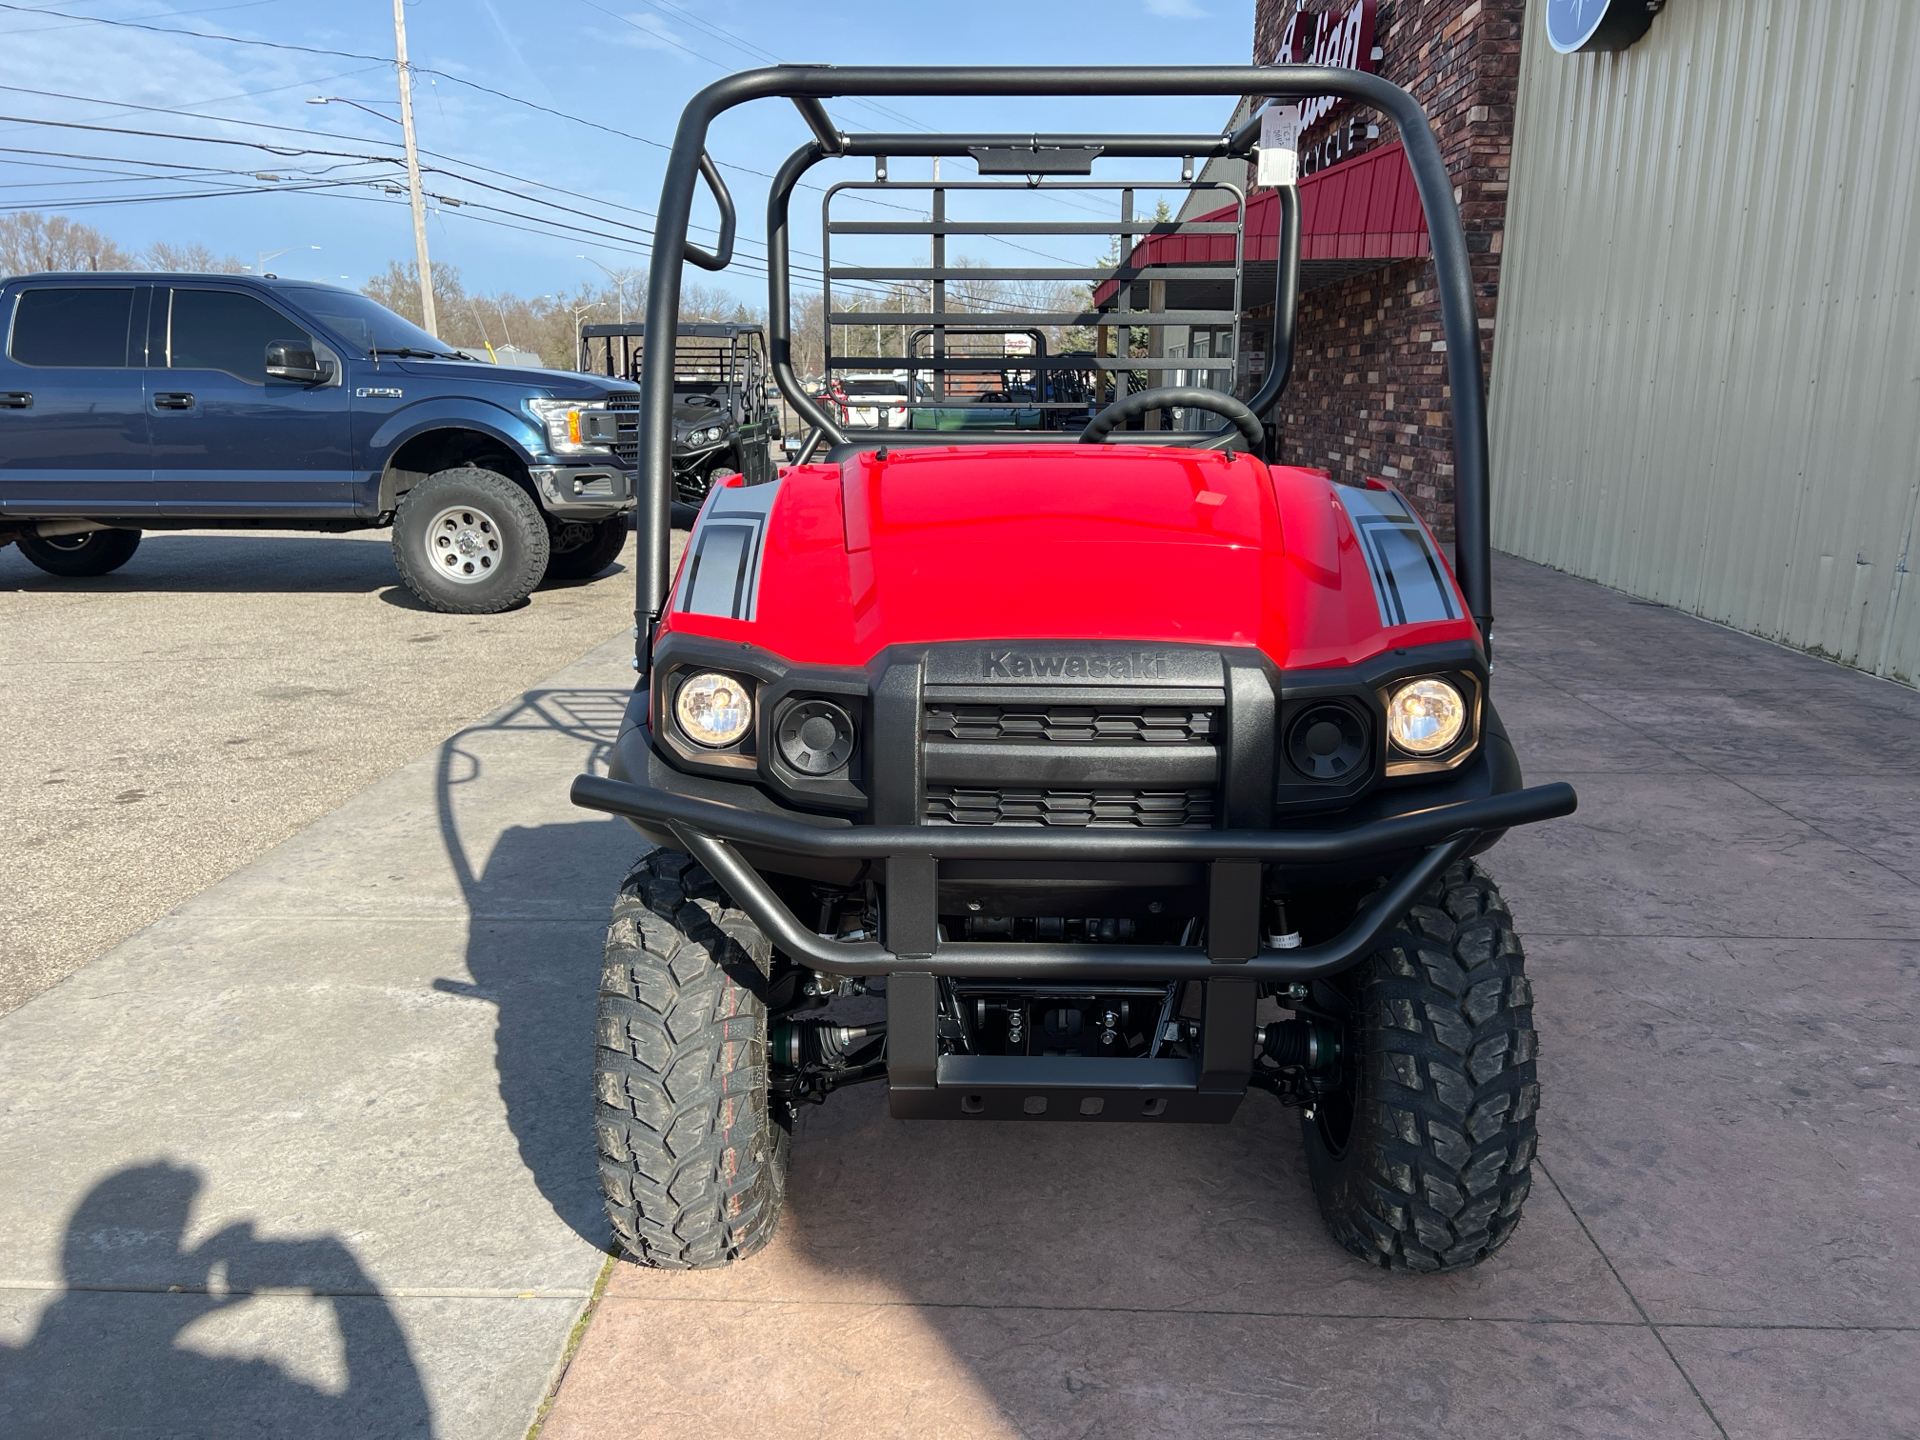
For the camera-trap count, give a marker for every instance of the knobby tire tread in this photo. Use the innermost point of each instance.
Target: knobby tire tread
(692, 1161)
(1438, 1161)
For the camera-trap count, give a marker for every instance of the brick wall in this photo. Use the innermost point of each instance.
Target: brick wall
(1369, 387)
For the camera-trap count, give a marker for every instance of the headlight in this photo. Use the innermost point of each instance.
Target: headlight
(1425, 717)
(562, 419)
(713, 710)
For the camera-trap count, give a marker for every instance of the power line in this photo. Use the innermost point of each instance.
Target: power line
(293, 152)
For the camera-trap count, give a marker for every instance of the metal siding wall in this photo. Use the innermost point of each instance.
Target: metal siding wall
(1706, 378)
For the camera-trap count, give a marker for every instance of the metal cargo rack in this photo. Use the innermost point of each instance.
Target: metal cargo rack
(1094, 380)
(707, 354)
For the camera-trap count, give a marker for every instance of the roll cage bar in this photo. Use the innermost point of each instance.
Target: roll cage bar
(808, 86)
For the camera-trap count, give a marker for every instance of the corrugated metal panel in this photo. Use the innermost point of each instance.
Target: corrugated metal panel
(1706, 381)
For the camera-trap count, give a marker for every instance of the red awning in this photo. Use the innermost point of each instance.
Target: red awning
(1365, 208)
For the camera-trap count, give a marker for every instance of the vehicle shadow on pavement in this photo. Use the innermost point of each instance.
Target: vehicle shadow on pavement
(537, 913)
(133, 1345)
(236, 564)
(544, 980)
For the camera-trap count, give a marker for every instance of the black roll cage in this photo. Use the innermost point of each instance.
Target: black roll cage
(807, 86)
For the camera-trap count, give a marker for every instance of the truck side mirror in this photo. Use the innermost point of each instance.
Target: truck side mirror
(294, 360)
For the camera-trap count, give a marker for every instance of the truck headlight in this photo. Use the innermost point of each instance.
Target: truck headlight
(562, 421)
(713, 710)
(1426, 716)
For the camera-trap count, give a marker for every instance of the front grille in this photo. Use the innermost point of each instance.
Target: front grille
(1147, 809)
(627, 451)
(1071, 724)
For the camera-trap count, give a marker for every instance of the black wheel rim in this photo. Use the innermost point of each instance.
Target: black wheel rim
(71, 544)
(1334, 1110)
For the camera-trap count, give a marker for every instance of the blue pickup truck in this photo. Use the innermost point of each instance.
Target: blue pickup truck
(133, 402)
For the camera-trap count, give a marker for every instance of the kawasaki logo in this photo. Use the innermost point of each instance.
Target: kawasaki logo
(1066, 665)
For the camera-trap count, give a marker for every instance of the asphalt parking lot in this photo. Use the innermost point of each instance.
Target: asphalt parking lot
(172, 721)
(310, 1154)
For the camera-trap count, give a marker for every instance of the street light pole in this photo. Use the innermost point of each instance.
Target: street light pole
(261, 257)
(430, 320)
(619, 279)
(577, 311)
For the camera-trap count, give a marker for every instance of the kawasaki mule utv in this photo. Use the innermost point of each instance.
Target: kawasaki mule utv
(1082, 748)
(724, 419)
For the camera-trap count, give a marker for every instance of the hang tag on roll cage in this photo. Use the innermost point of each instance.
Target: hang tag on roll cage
(1279, 162)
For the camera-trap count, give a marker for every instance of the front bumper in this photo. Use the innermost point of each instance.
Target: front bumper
(926, 1081)
(583, 492)
(910, 857)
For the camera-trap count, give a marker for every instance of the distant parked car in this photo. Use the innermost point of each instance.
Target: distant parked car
(875, 402)
(134, 402)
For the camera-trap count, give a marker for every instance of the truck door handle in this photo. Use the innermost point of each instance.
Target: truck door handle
(15, 400)
(173, 400)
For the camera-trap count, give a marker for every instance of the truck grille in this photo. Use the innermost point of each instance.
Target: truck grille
(1148, 809)
(625, 449)
(1071, 724)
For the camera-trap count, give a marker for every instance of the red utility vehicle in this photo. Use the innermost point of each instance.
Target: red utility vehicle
(1134, 770)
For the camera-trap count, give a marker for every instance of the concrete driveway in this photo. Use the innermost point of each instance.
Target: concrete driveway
(170, 722)
(1724, 1233)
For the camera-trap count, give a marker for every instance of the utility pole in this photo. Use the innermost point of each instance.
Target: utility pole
(939, 286)
(429, 319)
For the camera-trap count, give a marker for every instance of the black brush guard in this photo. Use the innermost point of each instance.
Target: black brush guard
(925, 1084)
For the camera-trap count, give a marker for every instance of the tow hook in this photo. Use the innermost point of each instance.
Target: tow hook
(1298, 1044)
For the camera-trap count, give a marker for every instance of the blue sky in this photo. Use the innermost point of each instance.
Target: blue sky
(625, 65)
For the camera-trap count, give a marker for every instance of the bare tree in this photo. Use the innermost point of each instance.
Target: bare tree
(194, 259)
(31, 243)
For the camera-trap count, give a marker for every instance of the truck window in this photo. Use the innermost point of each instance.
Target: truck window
(363, 321)
(82, 326)
(225, 330)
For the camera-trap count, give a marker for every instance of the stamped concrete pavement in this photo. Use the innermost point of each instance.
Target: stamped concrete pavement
(309, 1156)
(1723, 1237)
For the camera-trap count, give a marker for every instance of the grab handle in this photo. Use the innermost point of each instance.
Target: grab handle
(723, 257)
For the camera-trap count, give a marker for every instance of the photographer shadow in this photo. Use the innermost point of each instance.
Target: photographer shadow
(117, 1352)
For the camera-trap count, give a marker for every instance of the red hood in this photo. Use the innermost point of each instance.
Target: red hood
(1119, 543)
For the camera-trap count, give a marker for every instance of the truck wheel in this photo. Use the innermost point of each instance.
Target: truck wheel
(692, 1158)
(469, 541)
(92, 552)
(595, 545)
(1421, 1158)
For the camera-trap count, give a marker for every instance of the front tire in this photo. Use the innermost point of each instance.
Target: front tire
(92, 552)
(1421, 1158)
(469, 541)
(692, 1157)
(585, 558)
